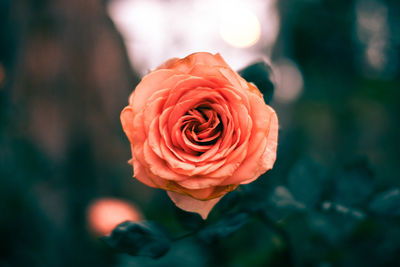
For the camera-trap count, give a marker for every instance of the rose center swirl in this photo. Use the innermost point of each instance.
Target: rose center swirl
(201, 128)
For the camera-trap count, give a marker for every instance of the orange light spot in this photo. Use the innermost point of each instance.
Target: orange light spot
(104, 214)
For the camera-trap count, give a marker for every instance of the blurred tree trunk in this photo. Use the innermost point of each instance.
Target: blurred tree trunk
(67, 79)
(72, 76)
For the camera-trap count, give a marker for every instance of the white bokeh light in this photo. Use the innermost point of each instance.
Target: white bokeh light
(156, 30)
(240, 27)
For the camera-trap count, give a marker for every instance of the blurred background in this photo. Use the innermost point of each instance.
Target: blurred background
(67, 68)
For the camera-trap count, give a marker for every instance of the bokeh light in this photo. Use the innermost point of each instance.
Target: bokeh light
(240, 27)
(155, 30)
(289, 81)
(373, 32)
(104, 214)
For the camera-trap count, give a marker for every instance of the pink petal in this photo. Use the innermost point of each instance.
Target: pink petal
(127, 117)
(158, 166)
(167, 63)
(263, 157)
(198, 183)
(150, 84)
(140, 169)
(140, 174)
(234, 78)
(186, 85)
(213, 74)
(261, 115)
(199, 194)
(152, 111)
(187, 63)
(193, 205)
(269, 155)
(138, 132)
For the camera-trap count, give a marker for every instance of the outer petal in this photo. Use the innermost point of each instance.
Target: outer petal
(263, 157)
(193, 205)
(127, 117)
(269, 155)
(187, 63)
(140, 174)
(141, 170)
(158, 166)
(167, 63)
(198, 182)
(150, 84)
(234, 78)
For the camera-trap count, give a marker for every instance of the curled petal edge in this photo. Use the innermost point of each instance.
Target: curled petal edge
(190, 204)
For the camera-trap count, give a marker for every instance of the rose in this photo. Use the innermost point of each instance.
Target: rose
(198, 130)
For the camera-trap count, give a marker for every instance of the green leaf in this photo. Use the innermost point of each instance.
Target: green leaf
(189, 220)
(386, 203)
(223, 228)
(260, 74)
(230, 201)
(139, 239)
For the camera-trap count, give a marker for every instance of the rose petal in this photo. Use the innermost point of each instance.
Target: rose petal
(186, 85)
(193, 205)
(234, 78)
(269, 155)
(248, 168)
(212, 73)
(139, 173)
(187, 63)
(199, 182)
(158, 166)
(150, 84)
(199, 194)
(262, 159)
(127, 117)
(152, 111)
(167, 63)
(261, 115)
(142, 172)
(138, 133)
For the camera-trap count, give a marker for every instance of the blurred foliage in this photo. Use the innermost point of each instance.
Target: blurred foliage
(332, 198)
(139, 239)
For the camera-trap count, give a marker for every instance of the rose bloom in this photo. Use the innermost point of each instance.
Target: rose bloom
(198, 130)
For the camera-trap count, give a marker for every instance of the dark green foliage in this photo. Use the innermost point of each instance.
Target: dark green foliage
(223, 228)
(354, 184)
(260, 74)
(139, 239)
(189, 220)
(386, 203)
(281, 204)
(307, 182)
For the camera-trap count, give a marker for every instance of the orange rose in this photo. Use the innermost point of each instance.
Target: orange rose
(198, 130)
